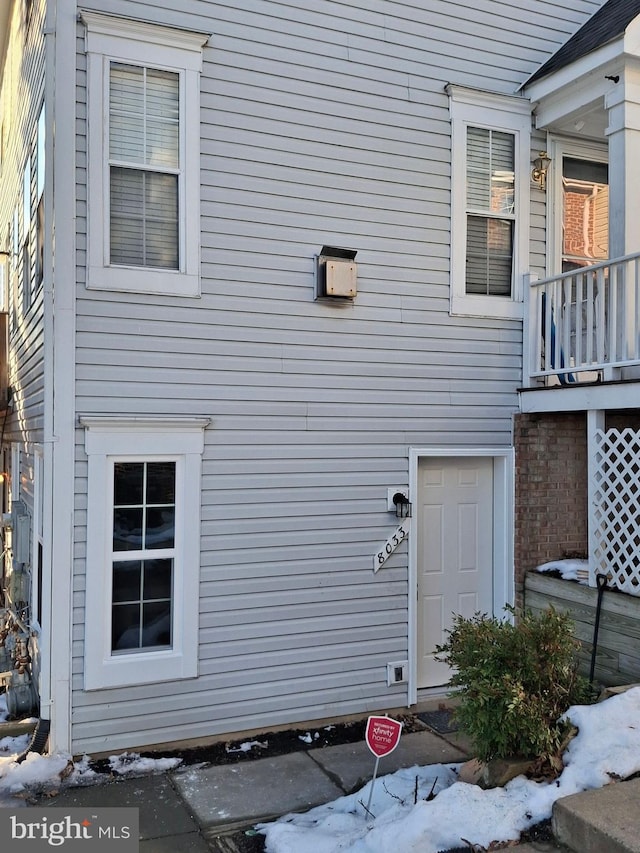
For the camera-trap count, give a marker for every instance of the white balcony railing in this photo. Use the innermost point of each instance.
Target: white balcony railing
(584, 323)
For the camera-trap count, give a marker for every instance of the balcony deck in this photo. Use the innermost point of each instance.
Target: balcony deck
(583, 328)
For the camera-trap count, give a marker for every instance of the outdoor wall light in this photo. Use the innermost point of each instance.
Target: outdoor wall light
(402, 505)
(540, 168)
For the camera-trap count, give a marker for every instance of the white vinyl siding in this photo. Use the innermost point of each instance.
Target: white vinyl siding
(315, 129)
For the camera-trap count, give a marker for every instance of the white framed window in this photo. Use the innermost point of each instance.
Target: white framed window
(14, 271)
(14, 492)
(143, 568)
(39, 209)
(26, 236)
(489, 202)
(4, 283)
(144, 156)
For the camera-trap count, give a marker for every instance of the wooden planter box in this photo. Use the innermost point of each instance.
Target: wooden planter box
(618, 647)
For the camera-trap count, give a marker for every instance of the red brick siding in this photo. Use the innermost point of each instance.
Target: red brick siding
(550, 490)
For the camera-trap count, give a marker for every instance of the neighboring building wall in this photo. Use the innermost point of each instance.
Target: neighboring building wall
(324, 126)
(551, 490)
(21, 102)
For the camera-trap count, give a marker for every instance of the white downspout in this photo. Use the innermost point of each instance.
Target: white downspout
(59, 370)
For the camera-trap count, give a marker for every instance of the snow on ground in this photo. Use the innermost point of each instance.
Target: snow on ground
(607, 747)
(417, 809)
(45, 771)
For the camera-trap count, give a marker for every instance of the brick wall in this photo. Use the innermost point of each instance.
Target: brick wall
(550, 490)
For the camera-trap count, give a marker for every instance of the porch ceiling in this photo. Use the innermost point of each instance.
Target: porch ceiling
(571, 99)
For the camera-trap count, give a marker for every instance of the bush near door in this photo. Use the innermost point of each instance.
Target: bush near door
(514, 682)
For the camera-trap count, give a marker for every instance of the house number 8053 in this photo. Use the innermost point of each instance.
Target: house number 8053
(385, 551)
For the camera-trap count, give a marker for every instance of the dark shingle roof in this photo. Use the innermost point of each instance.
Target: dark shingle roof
(604, 26)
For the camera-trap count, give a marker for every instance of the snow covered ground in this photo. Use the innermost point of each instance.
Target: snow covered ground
(53, 771)
(606, 748)
(401, 818)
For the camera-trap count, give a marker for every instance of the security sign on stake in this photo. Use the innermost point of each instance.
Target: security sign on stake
(382, 735)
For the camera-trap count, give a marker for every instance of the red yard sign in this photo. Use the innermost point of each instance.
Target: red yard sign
(382, 735)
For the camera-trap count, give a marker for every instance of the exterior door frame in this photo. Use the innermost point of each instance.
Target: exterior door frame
(559, 147)
(503, 522)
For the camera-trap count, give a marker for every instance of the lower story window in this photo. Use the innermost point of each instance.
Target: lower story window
(143, 580)
(144, 522)
(141, 611)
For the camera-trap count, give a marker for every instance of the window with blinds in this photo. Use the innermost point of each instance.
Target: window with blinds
(490, 184)
(144, 166)
(143, 156)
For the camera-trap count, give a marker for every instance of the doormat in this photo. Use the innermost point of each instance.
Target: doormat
(440, 721)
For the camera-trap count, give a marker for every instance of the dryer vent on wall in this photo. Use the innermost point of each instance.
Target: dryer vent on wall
(336, 274)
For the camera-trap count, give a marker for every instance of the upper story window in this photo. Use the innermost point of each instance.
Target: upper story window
(490, 212)
(29, 242)
(489, 202)
(144, 166)
(40, 175)
(26, 236)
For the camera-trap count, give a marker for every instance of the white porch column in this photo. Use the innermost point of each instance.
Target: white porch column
(623, 103)
(595, 421)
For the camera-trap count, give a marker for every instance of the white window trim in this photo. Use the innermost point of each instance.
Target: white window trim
(109, 38)
(510, 114)
(15, 471)
(142, 439)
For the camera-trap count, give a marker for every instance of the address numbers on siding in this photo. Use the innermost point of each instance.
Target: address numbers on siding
(386, 550)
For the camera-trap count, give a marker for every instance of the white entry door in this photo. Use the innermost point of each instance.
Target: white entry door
(454, 525)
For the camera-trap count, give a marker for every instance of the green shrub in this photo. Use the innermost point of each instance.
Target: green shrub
(514, 682)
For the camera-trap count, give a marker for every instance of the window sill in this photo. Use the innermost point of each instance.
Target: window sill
(149, 668)
(143, 280)
(491, 307)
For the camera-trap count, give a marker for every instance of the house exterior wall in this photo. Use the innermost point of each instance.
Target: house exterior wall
(323, 126)
(551, 490)
(315, 130)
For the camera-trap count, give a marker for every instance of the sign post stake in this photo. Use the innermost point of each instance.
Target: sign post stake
(373, 782)
(382, 736)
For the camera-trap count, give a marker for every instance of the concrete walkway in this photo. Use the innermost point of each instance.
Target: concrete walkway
(207, 809)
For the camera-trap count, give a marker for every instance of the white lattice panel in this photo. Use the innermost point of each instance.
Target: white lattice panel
(616, 508)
